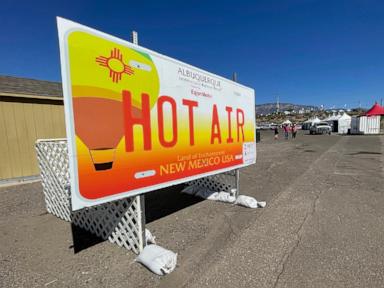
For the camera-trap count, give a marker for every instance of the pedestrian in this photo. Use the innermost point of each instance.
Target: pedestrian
(276, 133)
(286, 130)
(294, 130)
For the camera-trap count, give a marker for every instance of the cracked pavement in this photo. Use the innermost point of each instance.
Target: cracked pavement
(324, 230)
(322, 227)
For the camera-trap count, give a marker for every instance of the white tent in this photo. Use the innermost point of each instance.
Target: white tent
(316, 120)
(307, 124)
(335, 117)
(287, 122)
(333, 121)
(365, 125)
(332, 117)
(344, 124)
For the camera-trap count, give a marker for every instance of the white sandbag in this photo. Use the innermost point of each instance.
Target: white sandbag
(158, 259)
(225, 197)
(208, 194)
(246, 201)
(249, 202)
(213, 196)
(261, 204)
(233, 192)
(222, 196)
(149, 238)
(190, 190)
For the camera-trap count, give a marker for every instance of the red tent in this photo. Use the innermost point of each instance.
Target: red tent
(375, 110)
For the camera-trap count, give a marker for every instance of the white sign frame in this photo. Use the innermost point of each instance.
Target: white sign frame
(78, 201)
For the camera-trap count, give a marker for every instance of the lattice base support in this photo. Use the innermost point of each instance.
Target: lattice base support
(227, 181)
(120, 221)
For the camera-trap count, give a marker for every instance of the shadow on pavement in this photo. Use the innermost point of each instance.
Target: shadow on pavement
(163, 202)
(158, 204)
(83, 239)
(365, 153)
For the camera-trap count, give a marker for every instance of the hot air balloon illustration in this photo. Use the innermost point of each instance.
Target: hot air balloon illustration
(99, 124)
(100, 71)
(99, 120)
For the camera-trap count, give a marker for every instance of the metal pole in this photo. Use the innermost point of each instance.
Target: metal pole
(135, 40)
(234, 77)
(142, 211)
(135, 37)
(237, 171)
(237, 183)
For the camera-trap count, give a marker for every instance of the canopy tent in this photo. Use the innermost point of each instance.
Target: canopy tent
(365, 124)
(334, 117)
(307, 124)
(333, 121)
(313, 120)
(376, 109)
(344, 124)
(287, 122)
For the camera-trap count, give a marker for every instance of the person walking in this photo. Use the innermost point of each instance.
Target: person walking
(276, 133)
(294, 130)
(286, 130)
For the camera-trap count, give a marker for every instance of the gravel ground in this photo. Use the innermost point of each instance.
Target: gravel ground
(322, 227)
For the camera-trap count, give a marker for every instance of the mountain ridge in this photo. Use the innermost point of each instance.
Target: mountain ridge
(268, 108)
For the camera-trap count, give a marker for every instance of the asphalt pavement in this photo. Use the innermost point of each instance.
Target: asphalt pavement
(322, 227)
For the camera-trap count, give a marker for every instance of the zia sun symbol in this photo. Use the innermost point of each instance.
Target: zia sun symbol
(115, 65)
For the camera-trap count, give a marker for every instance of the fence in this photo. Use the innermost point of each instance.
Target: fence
(121, 222)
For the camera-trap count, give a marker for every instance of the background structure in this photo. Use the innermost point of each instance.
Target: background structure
(29, 110)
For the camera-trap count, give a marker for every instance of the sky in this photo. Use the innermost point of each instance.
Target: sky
(311, 52)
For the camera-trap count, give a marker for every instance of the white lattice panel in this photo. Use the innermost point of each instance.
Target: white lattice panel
(120, 221)
(54, 168)
(226, 181)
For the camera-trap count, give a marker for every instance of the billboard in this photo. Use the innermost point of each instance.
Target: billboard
(139, 121)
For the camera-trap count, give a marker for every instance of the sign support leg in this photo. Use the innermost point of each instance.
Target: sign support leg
(135, 40)
(142, 219)
(237, 183)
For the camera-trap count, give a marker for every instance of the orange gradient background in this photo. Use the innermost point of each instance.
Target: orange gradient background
(99, 122)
